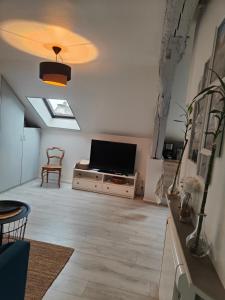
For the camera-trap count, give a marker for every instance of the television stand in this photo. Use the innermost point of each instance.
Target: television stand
(105, 183)
(113, 172)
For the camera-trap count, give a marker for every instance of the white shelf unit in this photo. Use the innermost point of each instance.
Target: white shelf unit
(100, 182)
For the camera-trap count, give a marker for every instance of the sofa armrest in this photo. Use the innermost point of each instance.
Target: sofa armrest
(13, 270)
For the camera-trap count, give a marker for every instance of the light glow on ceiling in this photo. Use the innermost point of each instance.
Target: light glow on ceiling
(38, 38)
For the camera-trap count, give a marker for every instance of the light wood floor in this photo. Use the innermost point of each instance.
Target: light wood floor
(118, 242)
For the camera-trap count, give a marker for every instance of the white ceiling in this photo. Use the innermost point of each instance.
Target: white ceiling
(117, 92)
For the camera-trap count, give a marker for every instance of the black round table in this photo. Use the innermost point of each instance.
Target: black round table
(13, 220)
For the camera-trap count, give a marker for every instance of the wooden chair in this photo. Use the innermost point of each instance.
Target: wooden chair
(56, 154)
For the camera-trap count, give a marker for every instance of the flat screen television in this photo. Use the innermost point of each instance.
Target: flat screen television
(112, 157)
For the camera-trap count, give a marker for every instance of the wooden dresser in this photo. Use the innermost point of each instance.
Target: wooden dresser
(184, 277)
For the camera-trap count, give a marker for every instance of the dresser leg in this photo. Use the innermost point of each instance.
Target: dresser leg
(42, 177)
(59, 178)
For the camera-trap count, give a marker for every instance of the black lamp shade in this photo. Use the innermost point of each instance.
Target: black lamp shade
(55, 73)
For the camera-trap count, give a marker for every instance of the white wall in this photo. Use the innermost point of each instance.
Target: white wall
(215, 208)
(77, 147)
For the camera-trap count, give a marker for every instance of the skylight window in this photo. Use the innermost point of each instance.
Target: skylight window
(59, 108)
(54, 112)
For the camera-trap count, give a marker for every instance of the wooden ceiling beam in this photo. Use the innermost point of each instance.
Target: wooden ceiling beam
(177, 21)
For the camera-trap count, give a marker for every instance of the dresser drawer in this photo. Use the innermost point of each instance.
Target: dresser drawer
(95, 186)
(79, 183)
(122, 190)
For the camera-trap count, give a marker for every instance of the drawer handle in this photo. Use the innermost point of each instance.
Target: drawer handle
(127, 191)
(95, 185)
(77, 182)
(107, 188)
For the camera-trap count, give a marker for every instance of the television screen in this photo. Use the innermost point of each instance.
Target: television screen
(112, 157)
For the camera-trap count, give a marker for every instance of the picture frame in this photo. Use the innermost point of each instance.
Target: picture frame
(201, 143)
(203, 164)
(200, 86)
(218, 57)
(205, 77)
(197, 128)
(211, 124)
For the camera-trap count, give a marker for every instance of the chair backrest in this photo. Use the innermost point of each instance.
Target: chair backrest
(55, 155)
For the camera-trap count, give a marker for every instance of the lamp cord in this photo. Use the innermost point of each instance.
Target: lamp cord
(32, 40)
(20, 36)
(39, 42)
(61, 58)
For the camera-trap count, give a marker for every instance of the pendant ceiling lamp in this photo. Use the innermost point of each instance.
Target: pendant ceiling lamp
(55, 73)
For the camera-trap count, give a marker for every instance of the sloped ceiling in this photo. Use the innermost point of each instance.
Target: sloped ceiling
(117, 92)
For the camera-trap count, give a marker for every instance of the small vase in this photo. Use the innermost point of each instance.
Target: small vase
(185, 214)
(173, 189)
(185, 210)
(199, 247)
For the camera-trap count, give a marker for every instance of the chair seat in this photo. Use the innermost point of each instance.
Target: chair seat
(52, 167)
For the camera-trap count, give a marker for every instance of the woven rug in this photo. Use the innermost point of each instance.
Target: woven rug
(46, 261)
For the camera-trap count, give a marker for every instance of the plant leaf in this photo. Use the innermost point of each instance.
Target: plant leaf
(220, 79)
(214, 92)
(204, 91)
(190, 109)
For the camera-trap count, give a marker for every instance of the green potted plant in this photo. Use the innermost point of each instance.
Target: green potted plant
(196, 241)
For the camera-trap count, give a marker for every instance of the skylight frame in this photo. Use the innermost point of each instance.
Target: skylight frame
(53, 114)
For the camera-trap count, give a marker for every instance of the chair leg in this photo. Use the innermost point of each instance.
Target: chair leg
(47, 176)
(42, 177)
(59, 178)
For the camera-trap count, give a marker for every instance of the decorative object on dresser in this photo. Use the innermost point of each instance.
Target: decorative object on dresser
(56, 155)
(189, 185)
(171, 154)
(101, 182)
(186, 120)
(196, 242)
(83, 164)
(169, 171)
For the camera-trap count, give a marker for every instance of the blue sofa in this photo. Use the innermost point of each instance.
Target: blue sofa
(13, 270)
